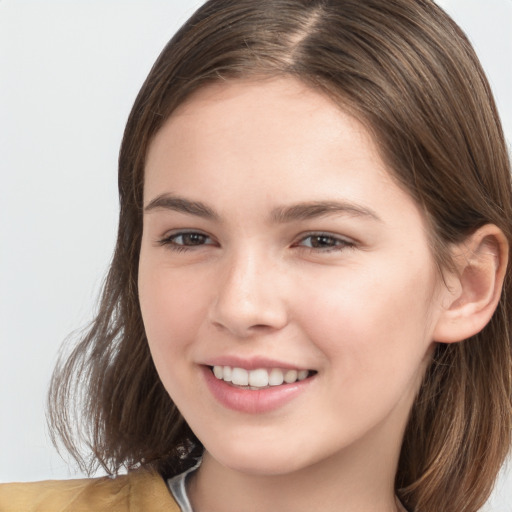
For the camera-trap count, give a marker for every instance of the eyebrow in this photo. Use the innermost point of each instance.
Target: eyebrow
(181, 205)
(314, 209)
(280, 215)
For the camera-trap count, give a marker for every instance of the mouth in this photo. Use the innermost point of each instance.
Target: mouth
(260, 389)
(259, 378)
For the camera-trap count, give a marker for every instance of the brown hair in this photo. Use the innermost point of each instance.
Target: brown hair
(406, 70)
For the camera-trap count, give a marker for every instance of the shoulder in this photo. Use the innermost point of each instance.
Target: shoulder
(137, 491)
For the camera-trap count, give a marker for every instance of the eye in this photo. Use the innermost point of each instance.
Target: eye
(185, 240)
(324, 242)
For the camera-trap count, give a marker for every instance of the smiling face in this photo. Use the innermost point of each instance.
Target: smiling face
(277, 246)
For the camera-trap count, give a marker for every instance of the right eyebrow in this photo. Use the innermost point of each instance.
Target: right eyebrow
(179, 204)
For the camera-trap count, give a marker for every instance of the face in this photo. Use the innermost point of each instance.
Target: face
(287, 288)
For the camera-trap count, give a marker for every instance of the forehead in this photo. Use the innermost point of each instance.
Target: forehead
(276, 138)
(278, 117)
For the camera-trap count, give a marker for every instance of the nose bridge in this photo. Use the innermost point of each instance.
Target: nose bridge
(248, 294)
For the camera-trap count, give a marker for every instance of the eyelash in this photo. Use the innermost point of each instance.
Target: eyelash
(170, 241)
(331, 242)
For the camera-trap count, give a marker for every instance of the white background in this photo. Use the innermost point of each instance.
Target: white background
(69, 72)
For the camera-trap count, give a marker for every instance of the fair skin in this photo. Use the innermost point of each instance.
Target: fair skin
(275, 239)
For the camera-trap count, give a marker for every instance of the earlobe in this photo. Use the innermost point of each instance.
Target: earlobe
(473, 295)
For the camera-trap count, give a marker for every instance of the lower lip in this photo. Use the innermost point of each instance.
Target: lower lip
(253, 401)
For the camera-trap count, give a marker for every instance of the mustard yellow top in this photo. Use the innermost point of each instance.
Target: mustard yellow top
(138, 491)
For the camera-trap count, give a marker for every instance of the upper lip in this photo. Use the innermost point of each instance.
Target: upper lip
(252, 363)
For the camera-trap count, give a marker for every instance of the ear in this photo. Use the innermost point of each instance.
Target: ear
(473, 290)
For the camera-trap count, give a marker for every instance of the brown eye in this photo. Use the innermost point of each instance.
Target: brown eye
(190, 239)
(186, 240)
(321, 241)
(324, 242)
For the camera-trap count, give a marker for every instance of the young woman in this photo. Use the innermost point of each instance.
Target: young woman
(308, 304)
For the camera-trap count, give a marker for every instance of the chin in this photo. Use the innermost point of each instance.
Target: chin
(255, 466)
(257, 460)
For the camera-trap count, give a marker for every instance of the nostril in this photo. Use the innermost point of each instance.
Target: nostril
(242, 328)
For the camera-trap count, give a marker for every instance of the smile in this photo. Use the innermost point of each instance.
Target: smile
(259, 390)
(258, 378)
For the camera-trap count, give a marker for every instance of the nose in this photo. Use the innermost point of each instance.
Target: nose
(250, 298)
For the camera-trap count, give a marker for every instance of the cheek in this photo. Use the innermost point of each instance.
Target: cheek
(373, 324)
(172, 310)
(172, 306)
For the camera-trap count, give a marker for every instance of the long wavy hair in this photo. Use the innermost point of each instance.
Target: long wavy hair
(408, 72)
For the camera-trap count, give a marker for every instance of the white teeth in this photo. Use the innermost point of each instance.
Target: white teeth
(226, 374)
(276, 377)
(302, 374)
(260, 378)
(290, 376)
(239, 376)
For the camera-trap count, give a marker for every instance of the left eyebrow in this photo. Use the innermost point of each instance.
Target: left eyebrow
(312, 210)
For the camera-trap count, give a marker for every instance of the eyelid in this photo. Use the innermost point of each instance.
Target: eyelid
(168, 240)
(341, 241)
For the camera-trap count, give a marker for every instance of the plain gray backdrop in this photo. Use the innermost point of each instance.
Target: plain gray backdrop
(69, 72)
